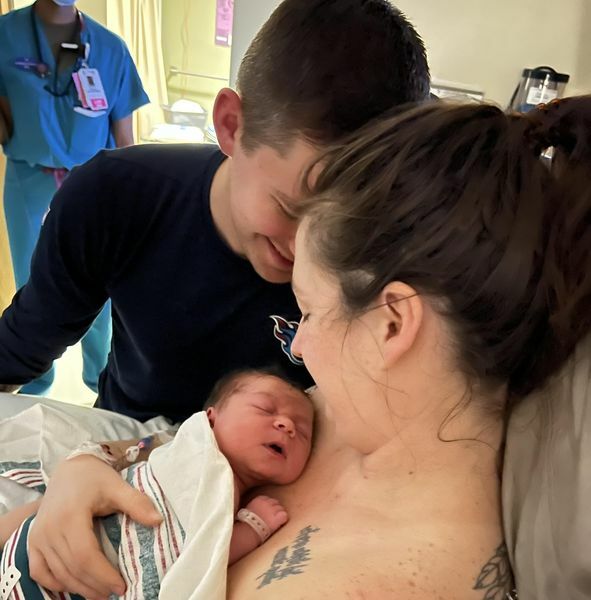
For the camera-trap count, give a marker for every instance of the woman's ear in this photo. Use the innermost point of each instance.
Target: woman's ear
(211, 413)
(227, 119)
(402, 317)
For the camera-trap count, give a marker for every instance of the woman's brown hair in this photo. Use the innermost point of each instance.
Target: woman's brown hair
(455, 201)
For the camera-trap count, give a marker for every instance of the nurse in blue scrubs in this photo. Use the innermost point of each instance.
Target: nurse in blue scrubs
(55, 123)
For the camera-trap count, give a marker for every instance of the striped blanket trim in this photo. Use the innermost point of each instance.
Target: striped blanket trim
(28, 474)
(145, 554)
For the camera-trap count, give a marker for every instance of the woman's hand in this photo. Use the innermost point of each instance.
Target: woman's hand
(64, 553)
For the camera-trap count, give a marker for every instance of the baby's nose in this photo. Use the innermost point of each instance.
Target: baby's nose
(286, 425)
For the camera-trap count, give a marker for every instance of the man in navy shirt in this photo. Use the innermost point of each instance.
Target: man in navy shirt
(194, 245)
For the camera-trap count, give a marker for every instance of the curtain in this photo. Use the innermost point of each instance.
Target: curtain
(138, 22)
(6, 276)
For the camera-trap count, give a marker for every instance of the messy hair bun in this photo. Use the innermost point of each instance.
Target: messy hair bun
(455, 201)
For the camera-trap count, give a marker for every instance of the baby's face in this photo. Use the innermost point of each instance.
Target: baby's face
(264, 429)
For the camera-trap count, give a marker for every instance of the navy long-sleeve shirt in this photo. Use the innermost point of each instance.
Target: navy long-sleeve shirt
(134, 225)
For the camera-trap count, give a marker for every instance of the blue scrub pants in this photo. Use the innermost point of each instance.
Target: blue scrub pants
(27, 194)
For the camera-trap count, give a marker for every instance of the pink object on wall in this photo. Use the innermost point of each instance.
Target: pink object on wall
(224, 16)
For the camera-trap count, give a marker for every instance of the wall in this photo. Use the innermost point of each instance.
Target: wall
(6, 276)
(488, 43)
(477, 41)
(248, 18)
(188, 32)
(97, 9)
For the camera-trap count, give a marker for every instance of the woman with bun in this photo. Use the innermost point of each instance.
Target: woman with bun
(442, 272)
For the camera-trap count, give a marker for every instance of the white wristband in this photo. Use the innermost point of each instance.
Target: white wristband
(261, 528)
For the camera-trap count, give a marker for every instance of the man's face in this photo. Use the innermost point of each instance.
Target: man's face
(265, 187)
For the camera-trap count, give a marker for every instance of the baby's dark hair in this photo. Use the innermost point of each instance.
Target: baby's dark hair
(324, 68)
(234, 380)
(455, 201)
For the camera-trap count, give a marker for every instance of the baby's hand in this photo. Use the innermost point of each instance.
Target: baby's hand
(269, 510)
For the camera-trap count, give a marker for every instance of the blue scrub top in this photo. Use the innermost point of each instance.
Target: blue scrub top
(47, 130)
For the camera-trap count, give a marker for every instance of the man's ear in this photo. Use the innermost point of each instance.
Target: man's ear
(211, 413)
(402, 317)
(227, 119)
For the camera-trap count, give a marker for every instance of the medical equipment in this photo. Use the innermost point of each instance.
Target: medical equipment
(538, 86)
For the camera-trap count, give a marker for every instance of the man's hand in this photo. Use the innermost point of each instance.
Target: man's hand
(64, 553)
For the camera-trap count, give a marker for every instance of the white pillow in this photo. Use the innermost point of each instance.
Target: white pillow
(547, 486)
(104, 424)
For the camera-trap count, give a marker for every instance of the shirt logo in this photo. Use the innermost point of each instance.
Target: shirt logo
(285, 332)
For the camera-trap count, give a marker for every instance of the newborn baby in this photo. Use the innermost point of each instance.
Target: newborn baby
(255, 423)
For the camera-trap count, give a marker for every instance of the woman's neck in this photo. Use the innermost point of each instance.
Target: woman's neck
(408, 456)
(49, 12)
(431, 425)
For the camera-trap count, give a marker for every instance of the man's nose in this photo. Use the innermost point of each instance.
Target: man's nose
(285, 424)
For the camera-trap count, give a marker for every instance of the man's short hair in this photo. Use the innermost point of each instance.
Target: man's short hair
(322, 68)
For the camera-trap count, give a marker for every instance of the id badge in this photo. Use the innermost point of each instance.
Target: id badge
(90, 89)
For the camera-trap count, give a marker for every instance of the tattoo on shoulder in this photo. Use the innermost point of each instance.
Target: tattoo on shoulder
(290, 560)
(496, 578)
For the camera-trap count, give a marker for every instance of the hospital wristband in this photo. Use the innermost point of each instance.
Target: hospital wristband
(93, 449)
(261, 528)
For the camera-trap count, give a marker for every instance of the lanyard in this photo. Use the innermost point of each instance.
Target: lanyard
(42, 67)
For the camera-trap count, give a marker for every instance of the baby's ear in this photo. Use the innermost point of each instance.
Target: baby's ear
(211, 415)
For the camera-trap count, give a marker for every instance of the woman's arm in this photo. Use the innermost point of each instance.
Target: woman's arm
(64, 554)
(10, 521)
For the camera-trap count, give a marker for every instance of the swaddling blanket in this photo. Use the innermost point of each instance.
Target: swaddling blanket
(186, 556)
(198, 483)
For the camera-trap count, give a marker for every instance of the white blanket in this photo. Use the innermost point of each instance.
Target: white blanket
(199, 484)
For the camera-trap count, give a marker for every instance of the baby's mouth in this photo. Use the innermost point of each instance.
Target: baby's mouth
(277, 449)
